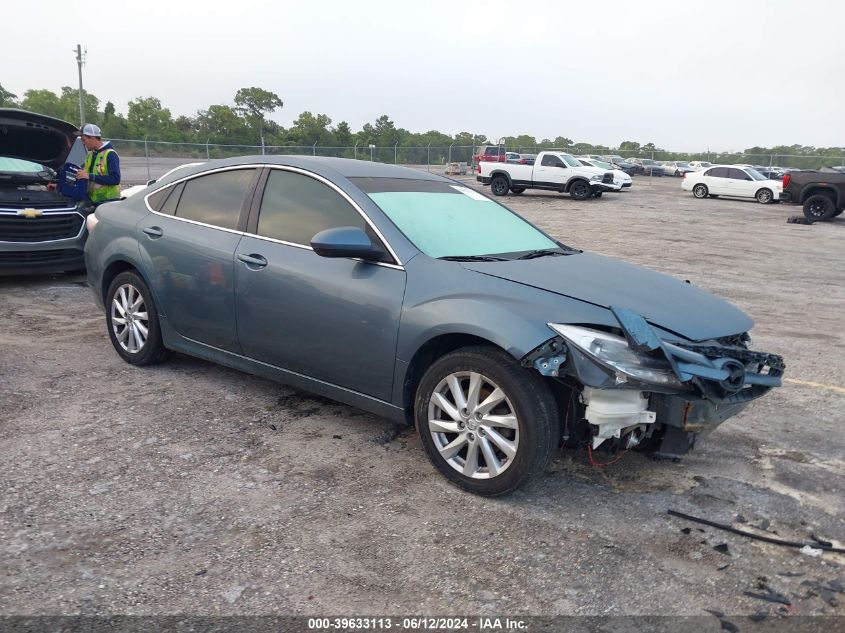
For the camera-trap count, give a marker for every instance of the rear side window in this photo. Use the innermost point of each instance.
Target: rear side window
(215, 199)
(165, 200)
(717, 172)
(157, 200)
(296, 207)
(169, 206)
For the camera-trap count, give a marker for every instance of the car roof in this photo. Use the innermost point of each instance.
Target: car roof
(329, 167)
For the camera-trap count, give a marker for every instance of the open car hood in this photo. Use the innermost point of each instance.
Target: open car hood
(35, 137)
(663, 300)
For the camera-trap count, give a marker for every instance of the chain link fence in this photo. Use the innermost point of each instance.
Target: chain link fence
(431, 155)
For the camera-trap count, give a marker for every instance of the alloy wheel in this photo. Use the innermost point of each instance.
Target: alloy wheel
(129, 317)
(473, 424)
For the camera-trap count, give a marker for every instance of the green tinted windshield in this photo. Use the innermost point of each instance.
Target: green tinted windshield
(18, 165)
(444, 220)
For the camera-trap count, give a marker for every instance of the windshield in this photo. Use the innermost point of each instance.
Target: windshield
(570, 160)
(756, 175)
(20, 166)
(446, 220)
(648, 161)
(602, 165)
(681, 163)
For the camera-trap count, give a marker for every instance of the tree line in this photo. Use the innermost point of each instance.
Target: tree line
(244, 122)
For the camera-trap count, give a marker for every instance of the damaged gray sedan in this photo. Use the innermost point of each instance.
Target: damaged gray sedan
(419, 299)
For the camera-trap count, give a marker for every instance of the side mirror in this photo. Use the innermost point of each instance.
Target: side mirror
(346, 241)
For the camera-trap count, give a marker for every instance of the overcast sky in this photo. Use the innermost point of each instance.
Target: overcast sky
(687, 75)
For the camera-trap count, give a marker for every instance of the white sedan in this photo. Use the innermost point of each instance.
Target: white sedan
(619, 177)
(732, 180)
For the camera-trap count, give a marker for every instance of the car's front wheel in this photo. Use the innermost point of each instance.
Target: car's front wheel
(499, 186)
(700, 191)
(580, 190)
(133, 320)
(486, 423)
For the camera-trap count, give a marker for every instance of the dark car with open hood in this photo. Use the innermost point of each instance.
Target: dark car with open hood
(42, 230)
(419, 299)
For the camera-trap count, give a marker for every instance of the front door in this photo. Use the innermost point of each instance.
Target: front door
(551, 171)
(333, 319)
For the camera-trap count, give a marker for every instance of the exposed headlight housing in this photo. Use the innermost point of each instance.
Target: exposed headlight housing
(614, 353)
(596, 178)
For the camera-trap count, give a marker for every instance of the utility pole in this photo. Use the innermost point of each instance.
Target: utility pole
(79, 62)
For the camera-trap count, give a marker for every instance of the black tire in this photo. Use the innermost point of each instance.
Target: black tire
(517, 190)
(765, 196)
(527, 401)
(819, 207)
(579, 190)
(151, 350)
(700, 191)
(499, 186)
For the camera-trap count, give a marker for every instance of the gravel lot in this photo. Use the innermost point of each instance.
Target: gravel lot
(191, 488)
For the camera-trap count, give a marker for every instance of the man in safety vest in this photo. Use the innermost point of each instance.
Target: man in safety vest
(101, 168)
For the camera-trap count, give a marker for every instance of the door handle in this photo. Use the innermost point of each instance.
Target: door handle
(153, 231)
(253, 261)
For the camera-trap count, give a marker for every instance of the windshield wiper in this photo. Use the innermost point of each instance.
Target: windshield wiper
(472, 258)
(547, 252)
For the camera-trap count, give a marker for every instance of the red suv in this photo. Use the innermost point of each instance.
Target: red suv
(493, 153)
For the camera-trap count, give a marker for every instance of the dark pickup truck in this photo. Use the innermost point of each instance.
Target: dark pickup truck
(821, 193)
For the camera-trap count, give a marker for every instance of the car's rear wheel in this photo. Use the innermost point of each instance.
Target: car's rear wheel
(819, 207)
(499, 186)
(764, 196)
(579, 190)
(517, 190)
(700, 191)
(487, 423)
(133, 320)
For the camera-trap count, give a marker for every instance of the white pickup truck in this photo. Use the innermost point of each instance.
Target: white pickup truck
(555, 171)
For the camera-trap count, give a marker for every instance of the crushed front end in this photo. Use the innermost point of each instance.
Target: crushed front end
(629, 387)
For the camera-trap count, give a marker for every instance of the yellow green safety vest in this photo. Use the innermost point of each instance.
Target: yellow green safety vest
(96, 191)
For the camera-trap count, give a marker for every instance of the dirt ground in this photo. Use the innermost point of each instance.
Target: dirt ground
(191, 488)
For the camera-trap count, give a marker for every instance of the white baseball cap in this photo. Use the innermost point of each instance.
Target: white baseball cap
(91, 130)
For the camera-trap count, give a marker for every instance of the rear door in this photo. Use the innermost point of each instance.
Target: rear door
(188, 243)
(333, 319)
(715, 178)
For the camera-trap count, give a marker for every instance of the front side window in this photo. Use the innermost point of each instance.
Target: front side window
(296, 207)
(215, 199)
(446, 220)
(738, 174)
(550, 160)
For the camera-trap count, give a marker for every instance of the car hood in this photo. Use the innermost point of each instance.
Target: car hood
(35, 137)
(663, 300)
